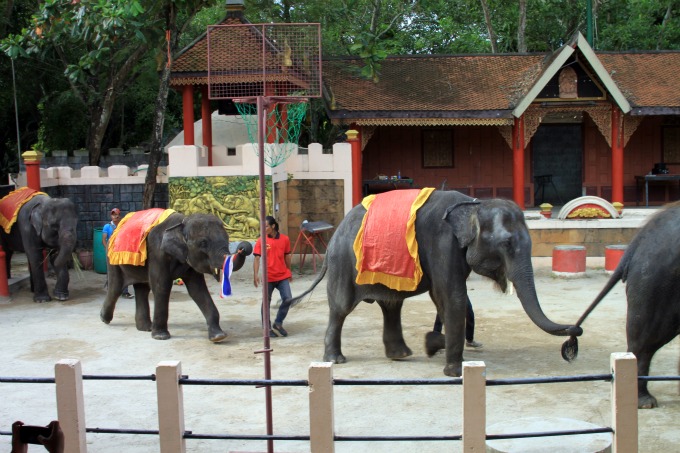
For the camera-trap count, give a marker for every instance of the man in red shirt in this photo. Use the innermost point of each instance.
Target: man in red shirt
(279, 273)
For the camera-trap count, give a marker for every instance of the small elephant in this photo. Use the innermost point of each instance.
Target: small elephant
(455, 234)
(183, 247)
(650, 268)
(44, 223)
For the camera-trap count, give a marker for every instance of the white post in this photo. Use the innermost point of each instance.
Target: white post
(624, 402)
(68, 376)
(474, 407)
(321, 427)
(170, 407)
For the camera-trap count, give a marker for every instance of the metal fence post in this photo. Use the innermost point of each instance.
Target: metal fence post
(624, 402)
(474, 406)
(170, 407)
(68, 377)
(321, 427)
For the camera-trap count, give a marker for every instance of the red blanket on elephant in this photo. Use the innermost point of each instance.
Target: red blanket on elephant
(128, 241)
(385, 247)
(11, 203)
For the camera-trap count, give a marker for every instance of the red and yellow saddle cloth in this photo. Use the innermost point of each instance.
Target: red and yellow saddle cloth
(128, 241)
(386, 247)
(11, 203)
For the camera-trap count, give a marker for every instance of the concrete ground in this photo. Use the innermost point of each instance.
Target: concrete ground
(36, 336)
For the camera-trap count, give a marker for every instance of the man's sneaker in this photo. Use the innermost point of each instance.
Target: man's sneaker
(272, 334)
(128, 296)
(473, 344)
(278, 328)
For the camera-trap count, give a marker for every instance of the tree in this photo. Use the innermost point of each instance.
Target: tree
(99, 44)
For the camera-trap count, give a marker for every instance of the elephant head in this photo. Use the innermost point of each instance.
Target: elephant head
(201, 241)
(55, 221)
(499, 247)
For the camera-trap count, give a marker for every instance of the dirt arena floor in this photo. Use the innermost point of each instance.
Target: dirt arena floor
(36, 336)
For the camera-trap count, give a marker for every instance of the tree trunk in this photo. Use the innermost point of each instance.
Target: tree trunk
(522, 26)
(157, 139)
(666, 19)
(489, 27)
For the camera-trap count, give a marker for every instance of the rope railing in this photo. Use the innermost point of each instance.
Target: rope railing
(321, 380)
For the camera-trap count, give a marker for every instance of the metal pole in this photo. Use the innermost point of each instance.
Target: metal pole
(262, 104)
(16, 117)
(589, 21)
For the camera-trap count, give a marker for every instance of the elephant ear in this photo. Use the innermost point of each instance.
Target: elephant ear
(463, 219)
(174, 243)
(35, 217)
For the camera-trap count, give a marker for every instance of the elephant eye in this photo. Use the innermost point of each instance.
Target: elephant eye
(203, 244)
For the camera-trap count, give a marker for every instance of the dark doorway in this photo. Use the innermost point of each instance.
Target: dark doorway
(557, 163)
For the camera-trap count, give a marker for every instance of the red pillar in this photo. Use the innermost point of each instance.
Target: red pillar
(518, 162)
(206, 122)
(188, 114)
(32, 163)
(617, 155)
(354, 139)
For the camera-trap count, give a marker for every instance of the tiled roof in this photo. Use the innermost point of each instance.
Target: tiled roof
(432, 83)
(648, 79)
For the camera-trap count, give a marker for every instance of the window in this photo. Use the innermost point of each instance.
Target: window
(437, 148)
(231, 151)
(671, 144)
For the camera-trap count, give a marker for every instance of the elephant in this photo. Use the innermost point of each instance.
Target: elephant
(649, 268)
(183, 247)
(44, 223)
(455, 234)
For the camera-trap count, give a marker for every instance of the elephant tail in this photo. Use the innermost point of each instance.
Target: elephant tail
(322, 274)
(570, 347)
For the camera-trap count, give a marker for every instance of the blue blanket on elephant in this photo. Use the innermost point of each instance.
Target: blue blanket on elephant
(385, 247)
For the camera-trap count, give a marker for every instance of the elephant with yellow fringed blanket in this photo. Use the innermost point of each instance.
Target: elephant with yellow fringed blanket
(430, 244)
(151, 249)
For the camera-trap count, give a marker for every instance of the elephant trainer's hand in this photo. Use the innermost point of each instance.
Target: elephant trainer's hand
(256, 280)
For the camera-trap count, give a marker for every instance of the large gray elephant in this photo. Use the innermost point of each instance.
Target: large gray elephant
(650, 267)
(455, 234)
(183, 247)
(44, 223)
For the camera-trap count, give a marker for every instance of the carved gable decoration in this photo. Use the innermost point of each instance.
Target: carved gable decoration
(568, 83)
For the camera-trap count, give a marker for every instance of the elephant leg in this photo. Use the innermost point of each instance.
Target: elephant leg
(8, 261)
(38, 283)
(645, 399)
(434, 342)
(142, 311)
(393, 337)
(61, 288)
(333, 339)
(455, 340)
(198, 290)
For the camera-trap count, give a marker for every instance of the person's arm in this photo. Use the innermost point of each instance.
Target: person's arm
(287, 259)
(256, 270)
(105, 239)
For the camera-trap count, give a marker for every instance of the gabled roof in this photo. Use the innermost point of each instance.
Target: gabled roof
(577, 43)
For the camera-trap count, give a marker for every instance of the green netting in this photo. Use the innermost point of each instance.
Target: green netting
(284, 122)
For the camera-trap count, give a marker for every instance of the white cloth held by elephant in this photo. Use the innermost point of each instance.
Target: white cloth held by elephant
(225, 283)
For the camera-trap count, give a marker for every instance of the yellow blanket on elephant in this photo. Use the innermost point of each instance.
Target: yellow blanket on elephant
(11, 203)
(128, 241)
(385, 247)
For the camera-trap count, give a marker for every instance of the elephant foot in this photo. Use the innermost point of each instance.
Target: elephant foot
(434, 342)
(160, 335)
(61, 295)
(42, 298)
(397, 352)
(334, 358)
(143, 326)
(647, 401)
(218, 336)
(453, 369)
(105, 317)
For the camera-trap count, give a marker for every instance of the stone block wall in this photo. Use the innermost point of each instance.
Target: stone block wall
(94, 203)
(313, 200)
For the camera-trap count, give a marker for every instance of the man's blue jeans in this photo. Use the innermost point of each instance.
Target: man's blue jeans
(284, 291)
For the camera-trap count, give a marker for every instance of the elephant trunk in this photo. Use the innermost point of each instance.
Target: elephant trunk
(67, 244)
(526, 292)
